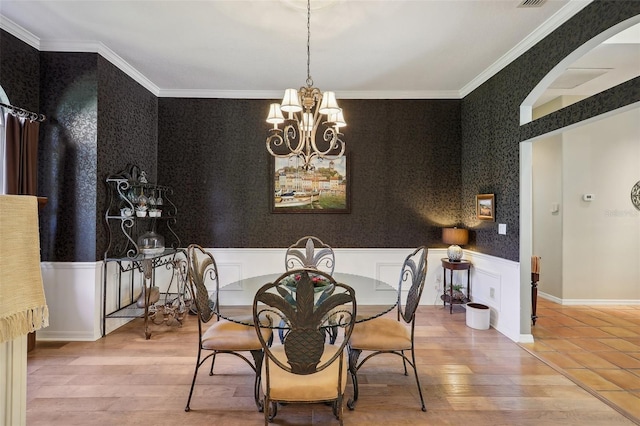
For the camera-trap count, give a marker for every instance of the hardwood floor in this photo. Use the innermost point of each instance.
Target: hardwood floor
(468, 376)
(598, 347)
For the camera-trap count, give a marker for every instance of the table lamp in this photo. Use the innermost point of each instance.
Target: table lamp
(456, 237)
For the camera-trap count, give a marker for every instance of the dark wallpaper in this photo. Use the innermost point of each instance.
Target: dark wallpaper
(405, 174)
(127, 134)
(416, 165)
(67, 169)
(491, 130)
(19, 72)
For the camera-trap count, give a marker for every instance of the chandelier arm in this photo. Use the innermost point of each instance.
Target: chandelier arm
(332, 136)
(293, 134)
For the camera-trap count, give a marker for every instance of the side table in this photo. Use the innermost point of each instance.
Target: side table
(462, 265)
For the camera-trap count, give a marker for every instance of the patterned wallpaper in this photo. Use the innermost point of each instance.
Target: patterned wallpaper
(405, 174)
(19, 72)
(491, 130)
(406, 155)
(127, 134)
(67, 160)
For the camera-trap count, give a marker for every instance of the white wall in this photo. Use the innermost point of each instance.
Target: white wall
(547, 222)
(602, 238)
(600, 244)
(74, 291)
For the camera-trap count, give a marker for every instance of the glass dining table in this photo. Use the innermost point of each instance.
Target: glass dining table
(374, 297)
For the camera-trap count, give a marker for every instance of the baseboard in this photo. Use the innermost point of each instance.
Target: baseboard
(592, 302)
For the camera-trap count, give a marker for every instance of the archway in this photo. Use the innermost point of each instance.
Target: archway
(526, 159)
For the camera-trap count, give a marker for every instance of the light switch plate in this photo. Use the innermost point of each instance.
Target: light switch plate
(502, 228)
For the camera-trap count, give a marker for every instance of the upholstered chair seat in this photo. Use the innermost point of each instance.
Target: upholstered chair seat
(381, 334)
(318, 386)
(226, 335)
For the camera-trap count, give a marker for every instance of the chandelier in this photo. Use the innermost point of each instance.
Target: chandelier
(312, 126)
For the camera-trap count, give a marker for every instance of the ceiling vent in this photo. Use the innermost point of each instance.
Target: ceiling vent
(532, 3)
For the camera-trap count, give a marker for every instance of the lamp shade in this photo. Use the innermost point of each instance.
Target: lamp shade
(290, 101)
(275, 114)
(455, 236)
(329, 105)
(338, 119)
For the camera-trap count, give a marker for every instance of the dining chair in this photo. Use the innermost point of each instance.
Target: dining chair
(304, 369)
(310, 252)
(222, 336)
(384, 335)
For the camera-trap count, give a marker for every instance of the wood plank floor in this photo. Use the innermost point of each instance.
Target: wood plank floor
(597, 347)
(468, 376)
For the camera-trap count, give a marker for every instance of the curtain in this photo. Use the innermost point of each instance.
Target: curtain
(22, 155)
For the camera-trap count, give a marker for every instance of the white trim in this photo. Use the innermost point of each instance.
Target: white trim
(550, 25)
(105, 52)
(570, 9)
(17, 31)
(550, 297)
(526, 338)
(526, 108)
(277, 94)
(590, 302)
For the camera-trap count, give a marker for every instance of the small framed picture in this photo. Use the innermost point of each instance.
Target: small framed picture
(485, 207)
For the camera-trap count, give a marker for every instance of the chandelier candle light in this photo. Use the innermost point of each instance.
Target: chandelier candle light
(308, 110)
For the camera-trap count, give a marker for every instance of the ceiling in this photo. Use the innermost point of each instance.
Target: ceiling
(257, 48)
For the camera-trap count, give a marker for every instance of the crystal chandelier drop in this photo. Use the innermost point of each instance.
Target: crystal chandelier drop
(312, 126)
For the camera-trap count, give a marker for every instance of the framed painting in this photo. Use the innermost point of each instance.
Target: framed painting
(485, 207)
(324, 188)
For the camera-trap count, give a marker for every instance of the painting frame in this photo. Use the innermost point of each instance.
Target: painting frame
(486, 207)
(327, 195)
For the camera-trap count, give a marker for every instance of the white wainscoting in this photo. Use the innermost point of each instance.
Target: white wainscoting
(74, 290)
(503, 276)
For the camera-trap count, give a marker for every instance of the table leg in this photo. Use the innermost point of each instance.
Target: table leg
(451, 293)
(444, 290)
(468, 285)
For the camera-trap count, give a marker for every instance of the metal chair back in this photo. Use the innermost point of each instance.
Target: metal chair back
(310, 252)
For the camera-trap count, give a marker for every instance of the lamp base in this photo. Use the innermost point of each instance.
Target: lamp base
(454, 253)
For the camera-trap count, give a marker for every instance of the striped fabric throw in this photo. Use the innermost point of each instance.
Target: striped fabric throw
(23, 307)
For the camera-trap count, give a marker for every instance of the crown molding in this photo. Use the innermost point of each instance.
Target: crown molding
(559, 18)
(220, 94)
(564, 14)
(105, 52)
(17, 31)
(277, 94)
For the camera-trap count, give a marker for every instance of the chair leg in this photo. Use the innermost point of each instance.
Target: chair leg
(193, 382)
(415, 370)
(213, 361)
(404, 363)
(257, 359)
(354, 354)
(338, 409)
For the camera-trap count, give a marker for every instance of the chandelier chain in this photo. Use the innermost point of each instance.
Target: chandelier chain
(309, 79)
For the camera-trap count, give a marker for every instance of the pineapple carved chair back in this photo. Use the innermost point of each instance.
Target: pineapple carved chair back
(305, 368)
